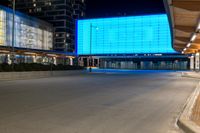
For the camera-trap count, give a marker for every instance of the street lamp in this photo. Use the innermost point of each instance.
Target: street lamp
(90, 62)
(13, 35)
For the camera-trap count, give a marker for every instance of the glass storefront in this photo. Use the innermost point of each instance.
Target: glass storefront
(146, 64)
(30, 33)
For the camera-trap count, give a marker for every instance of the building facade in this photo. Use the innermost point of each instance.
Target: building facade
(134, 42)
(30, 34)
(146, 34)
(61, 13)
(173, 62)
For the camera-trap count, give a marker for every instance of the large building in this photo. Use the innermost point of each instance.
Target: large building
(30, 33)
(6, 3)
(33, 39)
(61, 13)
(135, 42)
(124, 35)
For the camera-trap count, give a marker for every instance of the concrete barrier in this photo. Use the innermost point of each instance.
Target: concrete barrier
(184, 121)
(4, 76)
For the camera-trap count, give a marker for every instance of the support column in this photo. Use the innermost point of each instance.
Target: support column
(93, 62)
(9, 61)
(71, 61)
(197, 61)
(105, 64)
(80, 61)
(54, 60)
(88, 62)
(98, 62)
(34, 58)
(192, 63)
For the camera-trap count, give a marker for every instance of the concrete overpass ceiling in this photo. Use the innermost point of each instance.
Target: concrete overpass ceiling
(185, 20)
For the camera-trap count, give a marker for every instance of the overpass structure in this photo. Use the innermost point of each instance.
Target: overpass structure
(184, 17)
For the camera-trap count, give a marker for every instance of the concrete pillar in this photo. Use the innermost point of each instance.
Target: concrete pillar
(197, 61)
(88, 62)
(93, 62)
(192, 63)
(98, 62)
(9, 61)
(80, 61)
(71, 61)
(105, 64)
(141, 65)
(54, 60)
(34, 58)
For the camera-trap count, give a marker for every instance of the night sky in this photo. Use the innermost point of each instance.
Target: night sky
(110, 8)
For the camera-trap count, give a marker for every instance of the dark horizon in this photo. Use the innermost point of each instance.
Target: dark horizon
(113, 8)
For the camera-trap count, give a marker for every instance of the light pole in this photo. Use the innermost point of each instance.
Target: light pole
(90, 59)
(13, 36)
(51, 65)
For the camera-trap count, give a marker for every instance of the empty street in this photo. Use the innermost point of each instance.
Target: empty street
(133, 102)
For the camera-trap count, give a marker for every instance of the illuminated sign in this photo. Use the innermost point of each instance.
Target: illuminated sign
(124, 35)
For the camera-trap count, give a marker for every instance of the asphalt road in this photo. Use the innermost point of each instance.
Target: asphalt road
(141, 102)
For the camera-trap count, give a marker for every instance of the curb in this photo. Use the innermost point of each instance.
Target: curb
(183, 74)
(184, 121)
(9, 76)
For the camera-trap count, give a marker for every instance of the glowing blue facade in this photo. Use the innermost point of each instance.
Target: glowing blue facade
(124, 35)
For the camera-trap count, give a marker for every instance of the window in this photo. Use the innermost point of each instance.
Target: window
(30, 11)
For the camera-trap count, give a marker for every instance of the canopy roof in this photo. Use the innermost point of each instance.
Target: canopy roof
(184, 16)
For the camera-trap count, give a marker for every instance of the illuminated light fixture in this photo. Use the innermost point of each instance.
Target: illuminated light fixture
(198, 28)
(72, 57)
(157, 54)
(188, 45)
(30, 53)
(182, 52)
(193, 37)
(52, 55)
(184, 49)
(4, 51)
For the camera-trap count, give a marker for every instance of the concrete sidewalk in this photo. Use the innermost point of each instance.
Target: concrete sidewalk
(190, 119)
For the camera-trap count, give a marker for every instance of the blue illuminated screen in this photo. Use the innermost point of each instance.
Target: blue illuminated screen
(124, 35)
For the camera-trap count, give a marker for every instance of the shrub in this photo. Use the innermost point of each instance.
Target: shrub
(37, 67)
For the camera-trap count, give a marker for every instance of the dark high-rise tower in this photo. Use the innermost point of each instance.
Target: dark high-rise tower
(5, 3)
(61, 13)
